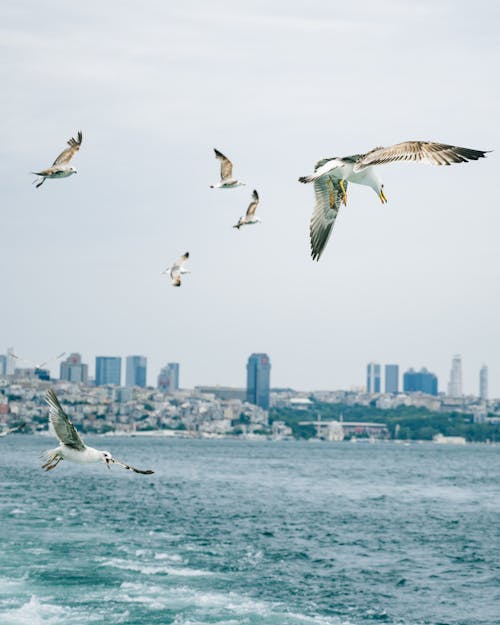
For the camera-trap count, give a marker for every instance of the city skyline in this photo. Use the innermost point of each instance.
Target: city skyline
(422, 299)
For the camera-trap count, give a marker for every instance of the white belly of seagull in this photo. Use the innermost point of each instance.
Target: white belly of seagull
(85, 456)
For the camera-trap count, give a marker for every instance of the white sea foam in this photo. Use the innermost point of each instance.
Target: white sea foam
(36, 612)
(154, 569)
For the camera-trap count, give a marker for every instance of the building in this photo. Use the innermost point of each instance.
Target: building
(455, 383)
(168, 380)
(258, 380)
(392, 379)
(73, 370)
(135, 371)
(483, 382)
(108, 370)
(3, 364)
(223, 392)
(422, 381)
(373, 377)
(10, 365)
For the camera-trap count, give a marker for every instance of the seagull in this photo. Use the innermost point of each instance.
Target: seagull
(177, 270)
(331, 175)
(72, 447)
(60, 167)
(226, 173)
(14, 429)
(250, 218)
(41, 364)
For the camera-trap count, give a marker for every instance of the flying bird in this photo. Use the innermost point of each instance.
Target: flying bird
(331, 176)
(226, 173)
(72, 447)
(60, 167)
(177, 270)
(250, 218)
(14, 429)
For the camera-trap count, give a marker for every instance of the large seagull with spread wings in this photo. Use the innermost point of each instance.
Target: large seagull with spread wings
(71, 446)
(331, 176)
(60, 167)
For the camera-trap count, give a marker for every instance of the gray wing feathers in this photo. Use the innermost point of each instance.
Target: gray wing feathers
(252, 207)
(226, 167)
(63, 427)
(67, 154)
(419, 151)
(328, 197)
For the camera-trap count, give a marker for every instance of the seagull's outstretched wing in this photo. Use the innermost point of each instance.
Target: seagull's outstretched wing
(328, 197)
(420, 151)
(182, 259)
(226, 167)
(65, 430)
(14, 429)
(253, 205)
(130, 468)
(67, 154)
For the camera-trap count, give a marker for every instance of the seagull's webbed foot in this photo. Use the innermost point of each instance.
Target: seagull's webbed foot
(52, 463)
(382, 197)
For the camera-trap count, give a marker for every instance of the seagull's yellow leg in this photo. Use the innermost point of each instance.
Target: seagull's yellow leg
(344, 194)
(382, 196)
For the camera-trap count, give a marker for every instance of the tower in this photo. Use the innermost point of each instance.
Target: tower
(392, 379)
(135, 372)
(483, 382)
(455, 383)
(258, 380)
(168, 380)
(373, 377)
(108, 370)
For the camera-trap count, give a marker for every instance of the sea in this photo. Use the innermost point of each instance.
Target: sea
(239, 532)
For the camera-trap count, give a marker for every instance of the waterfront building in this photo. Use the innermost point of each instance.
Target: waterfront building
(373, 377)
(422, 381)
(108, 370)
(135, 371)
(168, 380)
(258, 380)
(455, 383)
(392, 379)
(483, 382)
(73, 370)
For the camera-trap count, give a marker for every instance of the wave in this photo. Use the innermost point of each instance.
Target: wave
(36, 612)
(154, 569)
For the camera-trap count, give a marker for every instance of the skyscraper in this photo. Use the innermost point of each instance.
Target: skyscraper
(373, 377)
(483, 382)
(455, 383)
(3, 364)
(10, 366)
(422, 381)
(108, 370)
(392, 379)
(73, 370)
(136, 371)
(258, 380)
(168, 380)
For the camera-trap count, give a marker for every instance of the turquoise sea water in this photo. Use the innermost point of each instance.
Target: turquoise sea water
(236, 532)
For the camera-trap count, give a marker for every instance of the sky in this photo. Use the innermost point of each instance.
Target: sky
(154, 87)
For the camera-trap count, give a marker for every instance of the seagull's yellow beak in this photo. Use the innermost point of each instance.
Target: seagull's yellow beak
(382, 196)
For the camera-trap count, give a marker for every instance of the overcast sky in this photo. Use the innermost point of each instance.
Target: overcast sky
(154, 86)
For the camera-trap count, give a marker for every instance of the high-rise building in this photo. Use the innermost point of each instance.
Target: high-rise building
(422, 381)
(10, 365)
(483, 382)
(373, 377)
(258, 380)
(3, 364)
(392, 379)
(108, 370)
(73, 370)
(168, 380)
(455, 383)
(136, 371)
